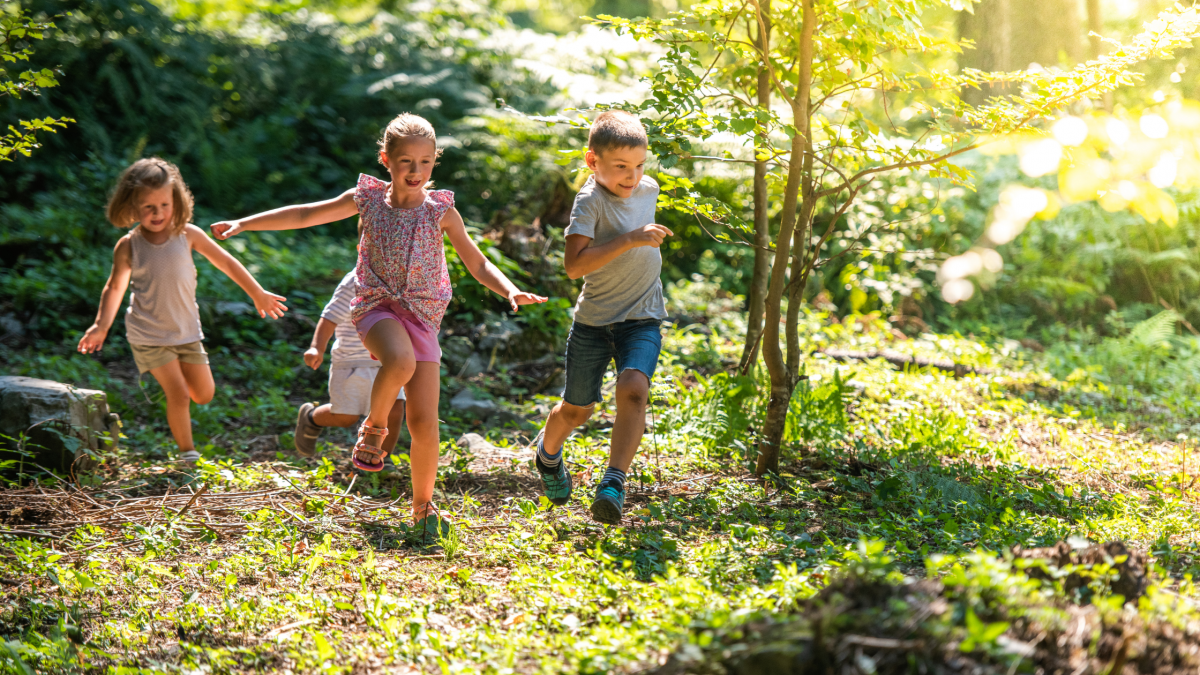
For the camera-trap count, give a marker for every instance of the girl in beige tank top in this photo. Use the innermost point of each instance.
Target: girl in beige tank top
(162, 322)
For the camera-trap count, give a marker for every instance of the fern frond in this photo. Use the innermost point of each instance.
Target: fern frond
(1154, 330)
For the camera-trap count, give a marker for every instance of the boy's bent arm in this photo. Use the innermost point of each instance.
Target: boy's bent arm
(110, 298)
(267, 304)
(291, 217)
(581, 258)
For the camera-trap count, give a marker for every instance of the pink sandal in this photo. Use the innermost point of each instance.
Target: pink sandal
(373, 456)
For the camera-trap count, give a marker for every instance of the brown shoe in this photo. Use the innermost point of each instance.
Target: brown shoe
(307, 431)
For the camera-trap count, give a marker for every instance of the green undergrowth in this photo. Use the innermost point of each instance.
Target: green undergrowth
(943, 475)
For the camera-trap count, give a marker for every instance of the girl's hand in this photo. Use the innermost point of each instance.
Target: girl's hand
(92, 340)
(225, 229)
(269, 304)
(524, 298)
(313, 358)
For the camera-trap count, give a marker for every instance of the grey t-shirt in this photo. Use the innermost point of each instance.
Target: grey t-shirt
(627, 288)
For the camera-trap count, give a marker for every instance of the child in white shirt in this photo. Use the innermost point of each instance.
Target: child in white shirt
(351, 376)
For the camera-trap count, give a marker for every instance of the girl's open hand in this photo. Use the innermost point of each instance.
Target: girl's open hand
(225, 229)
(92, 340)
(524, 298)
(269, 304)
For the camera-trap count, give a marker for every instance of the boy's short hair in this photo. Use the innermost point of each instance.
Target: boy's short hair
(616, 129)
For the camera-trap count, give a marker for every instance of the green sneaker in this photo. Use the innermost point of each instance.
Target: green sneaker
(609, 503)
(556, 482)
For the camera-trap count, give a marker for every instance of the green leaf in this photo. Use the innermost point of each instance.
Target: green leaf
(323, 649)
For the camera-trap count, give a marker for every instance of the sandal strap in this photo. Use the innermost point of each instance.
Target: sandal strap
(372, 452)
(368, 430)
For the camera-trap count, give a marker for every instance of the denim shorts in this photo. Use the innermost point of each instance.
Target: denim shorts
(634, 344)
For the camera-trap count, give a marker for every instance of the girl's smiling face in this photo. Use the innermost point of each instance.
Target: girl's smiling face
(155, 208)
(410, 161)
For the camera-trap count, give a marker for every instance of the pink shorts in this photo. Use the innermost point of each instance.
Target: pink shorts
(424, 340)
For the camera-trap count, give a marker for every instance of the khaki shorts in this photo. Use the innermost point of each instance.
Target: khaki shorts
(149, 357)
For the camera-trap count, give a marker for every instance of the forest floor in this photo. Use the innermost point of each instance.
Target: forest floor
(886, 545)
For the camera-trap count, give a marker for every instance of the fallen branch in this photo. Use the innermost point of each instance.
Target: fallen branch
(904, 361)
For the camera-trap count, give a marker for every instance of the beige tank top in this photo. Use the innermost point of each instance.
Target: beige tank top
(162, 306)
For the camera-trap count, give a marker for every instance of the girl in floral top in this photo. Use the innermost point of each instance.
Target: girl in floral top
(403, 290)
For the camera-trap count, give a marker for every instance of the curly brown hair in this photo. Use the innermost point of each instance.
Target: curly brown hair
(150, 173)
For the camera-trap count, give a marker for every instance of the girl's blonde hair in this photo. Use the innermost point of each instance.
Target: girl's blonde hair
(150, 173)
(407, 124)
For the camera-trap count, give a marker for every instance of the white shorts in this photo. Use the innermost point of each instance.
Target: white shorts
(350, 390)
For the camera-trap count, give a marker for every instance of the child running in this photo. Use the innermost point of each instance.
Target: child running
(162, 323)
(612, 242)
(403, 291)
(351, 376)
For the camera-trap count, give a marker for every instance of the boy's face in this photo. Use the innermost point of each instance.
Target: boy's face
(618, 169)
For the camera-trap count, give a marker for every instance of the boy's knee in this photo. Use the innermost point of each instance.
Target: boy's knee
(202, 397)
(633, 387)
(574, 415)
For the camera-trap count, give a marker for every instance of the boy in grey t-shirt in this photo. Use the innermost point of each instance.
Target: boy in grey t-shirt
(612, 242)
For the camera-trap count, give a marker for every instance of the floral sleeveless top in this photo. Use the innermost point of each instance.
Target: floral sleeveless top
(400, 254)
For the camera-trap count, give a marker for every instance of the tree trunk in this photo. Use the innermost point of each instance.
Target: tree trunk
(781, 381)
(762, 225)
(1014, 34)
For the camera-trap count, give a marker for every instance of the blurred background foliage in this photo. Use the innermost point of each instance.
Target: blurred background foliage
(269, 102)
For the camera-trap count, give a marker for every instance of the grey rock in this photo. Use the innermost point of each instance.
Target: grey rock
(61, 422)
(477, 445)
(497, 334)
(476, 364)
(456, 349)
(10, 325)
(467, 402)
(235, 308)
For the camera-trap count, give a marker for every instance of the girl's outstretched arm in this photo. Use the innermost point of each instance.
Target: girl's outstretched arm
(110, 299)
(479, 266)
(290, 217)
(267, 304)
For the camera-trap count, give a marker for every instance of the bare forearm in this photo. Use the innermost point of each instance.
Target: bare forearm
(110, 303)
(284, 218)
(489, 275)
(321, 335)
(241, 276)
(593, 258)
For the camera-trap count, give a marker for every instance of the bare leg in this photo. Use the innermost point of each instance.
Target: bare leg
(395, 419)
(388, 341)
(423, 391)
(563, 419)
(324, 416)
(199, 381)
(633, 395)
(179, 401)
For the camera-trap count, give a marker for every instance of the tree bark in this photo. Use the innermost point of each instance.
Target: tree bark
(781, 381)
(1014, 34)
(762, 225)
